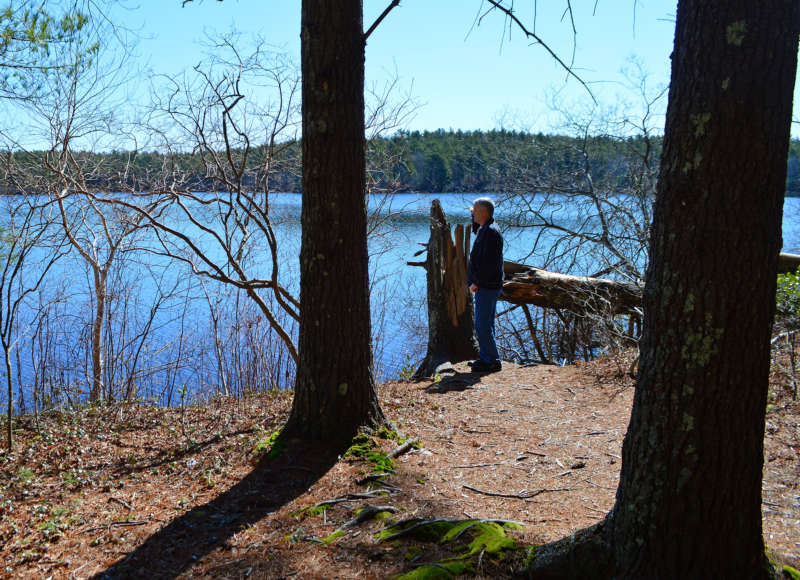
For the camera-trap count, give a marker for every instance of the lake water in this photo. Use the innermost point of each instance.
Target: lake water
(177, 349)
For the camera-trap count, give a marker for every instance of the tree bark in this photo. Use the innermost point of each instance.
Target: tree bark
(10, 387)
(689, 499)
(579, 294)
(100, 277)
(451, 324)
(335, 389)
(688, 503)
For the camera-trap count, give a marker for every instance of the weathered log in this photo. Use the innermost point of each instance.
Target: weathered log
(580, 294)
(451, 326)
(788, 263)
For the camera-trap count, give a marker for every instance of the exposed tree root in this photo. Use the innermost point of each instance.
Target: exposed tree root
(583, 554)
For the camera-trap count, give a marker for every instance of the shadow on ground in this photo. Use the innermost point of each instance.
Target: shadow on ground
(454, 382)
(187, 539)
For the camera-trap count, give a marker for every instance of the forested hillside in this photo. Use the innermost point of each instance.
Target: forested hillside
(430, 161)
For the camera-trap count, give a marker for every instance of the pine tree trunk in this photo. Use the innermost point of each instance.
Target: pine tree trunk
(689, 500)
(335, 389)
(451, 324)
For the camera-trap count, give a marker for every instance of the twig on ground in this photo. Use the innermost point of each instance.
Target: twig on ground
(479, 465)
(590, 482)
(109, 526)
(404, 448)
(524, 494)
(604, 512)
(537, 453)
(367, 512)
(121, 502)
(351, 497)
(372, 477)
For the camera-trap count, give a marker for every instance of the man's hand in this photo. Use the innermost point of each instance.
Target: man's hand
(474, 287)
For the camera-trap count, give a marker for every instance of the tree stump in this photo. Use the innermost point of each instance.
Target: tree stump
(451, 324)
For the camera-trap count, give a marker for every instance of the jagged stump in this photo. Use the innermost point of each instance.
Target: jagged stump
(451, 325)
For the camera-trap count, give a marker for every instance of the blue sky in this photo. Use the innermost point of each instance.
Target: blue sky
(465, 74)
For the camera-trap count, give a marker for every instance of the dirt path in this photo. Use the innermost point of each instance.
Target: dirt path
(178, 494)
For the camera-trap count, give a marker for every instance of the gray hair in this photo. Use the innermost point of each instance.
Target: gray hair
(487, 203)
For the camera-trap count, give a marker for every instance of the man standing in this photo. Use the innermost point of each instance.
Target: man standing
(485, 279)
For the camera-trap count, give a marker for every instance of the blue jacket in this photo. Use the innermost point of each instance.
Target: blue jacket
(486, 258)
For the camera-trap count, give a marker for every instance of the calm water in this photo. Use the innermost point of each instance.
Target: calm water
(150, 292)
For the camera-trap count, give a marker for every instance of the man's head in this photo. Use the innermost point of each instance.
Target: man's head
(482, 210)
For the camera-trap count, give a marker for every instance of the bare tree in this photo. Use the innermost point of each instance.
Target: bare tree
(31, 246)
(588, 198)
(239, 140)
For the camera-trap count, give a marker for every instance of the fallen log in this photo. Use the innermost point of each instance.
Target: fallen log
(528, 285)
(579, 294)
(788, 263)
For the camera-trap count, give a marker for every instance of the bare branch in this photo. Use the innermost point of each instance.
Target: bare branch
(384, 14)
(531, 34)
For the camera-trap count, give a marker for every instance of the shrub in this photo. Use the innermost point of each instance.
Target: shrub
(787, 299)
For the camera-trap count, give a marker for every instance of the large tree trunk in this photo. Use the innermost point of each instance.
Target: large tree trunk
(335, 390)
(689, 499)
(451, 324)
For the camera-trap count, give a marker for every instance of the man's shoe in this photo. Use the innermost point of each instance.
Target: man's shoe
(495, 367)
(479, 366)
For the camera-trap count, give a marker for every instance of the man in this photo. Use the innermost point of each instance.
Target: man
(485, 279)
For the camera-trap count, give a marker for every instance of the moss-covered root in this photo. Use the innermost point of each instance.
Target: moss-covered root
(483, 538)
(789, 572)
(584, 554)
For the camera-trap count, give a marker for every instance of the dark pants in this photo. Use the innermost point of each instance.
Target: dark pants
(485, 309)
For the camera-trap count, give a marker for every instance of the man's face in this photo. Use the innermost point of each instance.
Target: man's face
(480, 214)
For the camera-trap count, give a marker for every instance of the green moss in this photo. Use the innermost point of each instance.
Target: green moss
(385, 433)
(309, 510)
(485, 539)
(491, 539)
(700, 346)
(269, 445)
(360, 446)
(444, 570)
(736, 32)
(790, 572)
(381, 463)
(771, 558)
(333, 537)
(417, 529)
(412, 552)
(530, 556)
